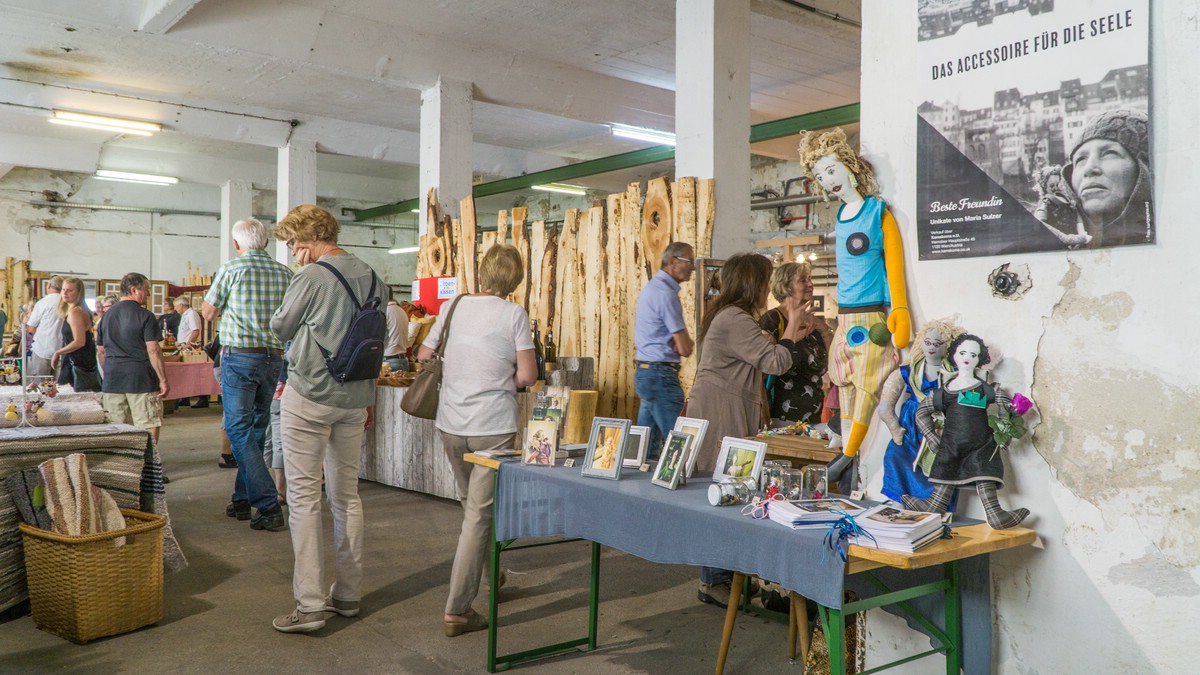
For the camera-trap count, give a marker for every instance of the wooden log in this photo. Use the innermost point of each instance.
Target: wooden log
(581, 408)
(521, 241)
(467, 244)
(567, 277)
(658, 222)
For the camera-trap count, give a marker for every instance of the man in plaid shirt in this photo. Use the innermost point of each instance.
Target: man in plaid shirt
(246, 292)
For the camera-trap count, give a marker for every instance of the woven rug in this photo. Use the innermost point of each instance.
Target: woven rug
(121, 459)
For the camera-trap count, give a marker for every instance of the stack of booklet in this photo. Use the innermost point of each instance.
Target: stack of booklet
(805, 513)
(895, 529)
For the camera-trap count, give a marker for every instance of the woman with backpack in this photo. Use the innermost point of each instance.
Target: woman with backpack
(325, 408)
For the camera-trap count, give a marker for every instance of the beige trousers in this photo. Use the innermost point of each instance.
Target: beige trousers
(476, 488)
(314, 434)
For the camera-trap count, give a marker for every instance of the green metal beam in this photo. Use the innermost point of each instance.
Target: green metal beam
(847, 114)
(822, 119)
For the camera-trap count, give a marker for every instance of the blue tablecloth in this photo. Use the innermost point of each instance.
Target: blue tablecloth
(654, 523)
(682, 528)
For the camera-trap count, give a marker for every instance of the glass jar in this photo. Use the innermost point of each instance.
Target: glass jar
(791, 484)
(816, 481)
(731, 491)
(770, 474)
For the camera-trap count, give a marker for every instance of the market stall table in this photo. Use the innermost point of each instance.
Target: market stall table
(679, 527)
(195, 378)
(121, 459)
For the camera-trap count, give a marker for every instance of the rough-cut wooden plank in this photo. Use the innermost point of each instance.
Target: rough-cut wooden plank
(467, 244)
(537, 251)
(658, 222)
(521, 242)
(422, 263)
(634, 281)
(502, 227)
(683, 205)
(581, 408)
(593, 306)
(706, 209)
(567, 285)
(546, 274)
(489, 240)
(457, 261)
(611, 387)
(445, 249)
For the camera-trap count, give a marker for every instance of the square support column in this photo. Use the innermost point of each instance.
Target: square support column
(237, 203)
(712, 110)
(447, 130)
(297, 184)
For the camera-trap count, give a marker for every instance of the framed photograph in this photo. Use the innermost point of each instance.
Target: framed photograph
(696, 427)
(636, 445)
(673, 460)
(541, 441)
(606, 448)
(740, 458)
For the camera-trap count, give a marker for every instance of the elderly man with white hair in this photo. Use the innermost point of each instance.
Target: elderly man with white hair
(189, 323)
(246, 291)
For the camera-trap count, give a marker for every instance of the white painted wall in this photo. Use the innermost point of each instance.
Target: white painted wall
(1104, 343)
(108, 244)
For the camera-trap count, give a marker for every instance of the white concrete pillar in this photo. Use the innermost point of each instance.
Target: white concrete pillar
(712, 110)
(446, 138)
(237, 203)
(297, 184)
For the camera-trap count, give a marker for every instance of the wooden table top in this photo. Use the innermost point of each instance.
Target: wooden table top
(967, 541)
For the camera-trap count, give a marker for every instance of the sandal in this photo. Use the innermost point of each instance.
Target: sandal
(473, 623)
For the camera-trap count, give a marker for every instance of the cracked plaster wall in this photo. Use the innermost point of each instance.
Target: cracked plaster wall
(1112, 474)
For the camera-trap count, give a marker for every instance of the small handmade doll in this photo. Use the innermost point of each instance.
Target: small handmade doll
(966, 449)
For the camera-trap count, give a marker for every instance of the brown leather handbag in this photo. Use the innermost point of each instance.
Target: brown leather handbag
(421, 399)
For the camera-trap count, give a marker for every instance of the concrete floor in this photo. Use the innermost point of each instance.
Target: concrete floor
(218, 611)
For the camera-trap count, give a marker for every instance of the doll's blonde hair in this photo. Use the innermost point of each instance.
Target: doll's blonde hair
(816, 144)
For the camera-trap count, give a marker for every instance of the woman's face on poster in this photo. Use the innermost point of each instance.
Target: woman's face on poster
(1103, 175)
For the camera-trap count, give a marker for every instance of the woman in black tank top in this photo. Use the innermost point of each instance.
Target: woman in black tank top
(76, 359)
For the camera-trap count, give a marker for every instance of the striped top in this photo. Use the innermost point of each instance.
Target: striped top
(248, 290)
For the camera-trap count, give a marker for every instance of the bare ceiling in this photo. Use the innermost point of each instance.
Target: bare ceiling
(225, 76)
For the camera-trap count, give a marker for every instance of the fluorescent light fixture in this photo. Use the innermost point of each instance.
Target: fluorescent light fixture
(134, 127)
(812, 256)
(126, 177)
(564, 188)
(407, 249)
(637, 133)
(416, 210)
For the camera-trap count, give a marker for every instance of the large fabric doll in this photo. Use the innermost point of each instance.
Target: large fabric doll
(966, 449)
(871, 293)
(912, 383)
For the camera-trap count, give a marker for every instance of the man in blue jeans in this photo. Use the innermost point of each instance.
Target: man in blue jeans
(662, 339)
(246, 291)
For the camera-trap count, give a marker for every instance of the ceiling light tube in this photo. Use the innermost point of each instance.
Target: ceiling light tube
(104, 122)
(101, 127)
(563, 188)
(126, 177)
(637, 133)
(407, 249)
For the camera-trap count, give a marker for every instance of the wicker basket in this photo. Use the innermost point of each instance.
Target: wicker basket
(86, 587)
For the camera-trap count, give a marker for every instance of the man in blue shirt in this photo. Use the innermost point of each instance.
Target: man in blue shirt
(662, 340)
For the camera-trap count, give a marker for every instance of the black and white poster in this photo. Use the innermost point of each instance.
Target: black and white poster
(1033, 133)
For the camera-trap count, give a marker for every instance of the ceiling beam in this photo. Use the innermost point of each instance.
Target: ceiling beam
(158, 16)
(49, 153)
(847, 114)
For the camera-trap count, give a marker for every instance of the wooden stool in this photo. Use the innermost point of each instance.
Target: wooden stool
(797, 623)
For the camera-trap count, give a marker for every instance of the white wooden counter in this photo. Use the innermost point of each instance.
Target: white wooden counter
(405, 451)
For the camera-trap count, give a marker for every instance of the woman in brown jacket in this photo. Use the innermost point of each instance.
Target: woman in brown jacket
(735, 354)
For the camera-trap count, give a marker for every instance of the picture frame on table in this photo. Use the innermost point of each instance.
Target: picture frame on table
(672, 461)
(636, 446)
(739, 458)
(541, 442)
(697, 428)
(606, 448)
